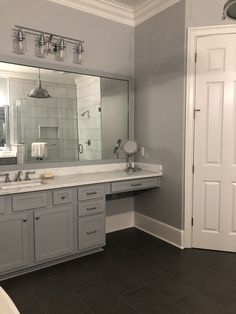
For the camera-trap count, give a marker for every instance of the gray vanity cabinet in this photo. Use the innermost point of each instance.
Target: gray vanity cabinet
(54, 232)
(14, 241)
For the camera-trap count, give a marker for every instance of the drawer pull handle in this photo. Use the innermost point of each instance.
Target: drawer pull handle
(25, 220)
(37, 218)
(91, 193)
(63, 197)
(91, 232)
(136, 184)
(91, 208)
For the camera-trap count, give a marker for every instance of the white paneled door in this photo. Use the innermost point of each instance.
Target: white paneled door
(214, 199)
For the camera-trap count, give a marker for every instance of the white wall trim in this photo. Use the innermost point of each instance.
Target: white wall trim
(116, 11)
(159, 229)
(193, 35)
(119, 222)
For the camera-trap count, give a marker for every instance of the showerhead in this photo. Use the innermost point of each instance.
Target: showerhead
(39, 92)
(117, 148)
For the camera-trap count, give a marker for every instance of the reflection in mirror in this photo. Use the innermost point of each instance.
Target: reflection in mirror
(84, 118)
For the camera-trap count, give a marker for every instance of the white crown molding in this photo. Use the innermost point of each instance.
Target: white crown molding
(108, 9)
(150, 8)
(118, 12)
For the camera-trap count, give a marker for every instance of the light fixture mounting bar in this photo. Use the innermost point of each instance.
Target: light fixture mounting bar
(32, 31)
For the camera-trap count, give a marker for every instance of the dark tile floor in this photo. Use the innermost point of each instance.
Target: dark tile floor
(135, 274)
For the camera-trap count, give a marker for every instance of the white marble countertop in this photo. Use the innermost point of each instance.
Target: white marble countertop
(85, 179)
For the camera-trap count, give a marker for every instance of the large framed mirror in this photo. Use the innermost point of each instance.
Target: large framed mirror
(50, 116)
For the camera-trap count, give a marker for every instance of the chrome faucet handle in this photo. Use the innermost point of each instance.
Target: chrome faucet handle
(7, 177)
(27, 177)
(18, 176)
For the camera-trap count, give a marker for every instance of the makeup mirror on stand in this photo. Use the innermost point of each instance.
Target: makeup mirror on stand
(131, 148)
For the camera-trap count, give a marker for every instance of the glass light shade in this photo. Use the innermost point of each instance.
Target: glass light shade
(41, 49)
(61, 51)
(78, 57)
(19, 42)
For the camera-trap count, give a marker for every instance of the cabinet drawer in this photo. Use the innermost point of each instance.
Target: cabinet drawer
(91, 207)
(91, 232)
(5, 204)
(132, 185)
(62, 196)
(29, 201)
(90, 192)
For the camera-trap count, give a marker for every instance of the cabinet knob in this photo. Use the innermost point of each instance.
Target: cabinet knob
(63, 197)
(25, 220)
(37, 218)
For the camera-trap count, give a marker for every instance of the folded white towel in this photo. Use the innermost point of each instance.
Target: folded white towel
(39, 150)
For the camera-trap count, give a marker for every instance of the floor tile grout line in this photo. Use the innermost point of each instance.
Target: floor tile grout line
(35, 296)
(75, 292)
(113, 289)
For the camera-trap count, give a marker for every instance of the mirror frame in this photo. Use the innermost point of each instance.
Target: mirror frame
(83, 71)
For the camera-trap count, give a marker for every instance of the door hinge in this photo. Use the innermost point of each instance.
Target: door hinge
(195, 57)
(193, 168)
(192, 221)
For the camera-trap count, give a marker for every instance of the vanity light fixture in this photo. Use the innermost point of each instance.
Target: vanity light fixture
(230, 9)
(48, 44)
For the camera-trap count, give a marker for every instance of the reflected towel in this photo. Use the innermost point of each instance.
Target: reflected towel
(39, 150)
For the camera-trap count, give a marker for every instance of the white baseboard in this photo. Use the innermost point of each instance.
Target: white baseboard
(159, 229)
(119, 222)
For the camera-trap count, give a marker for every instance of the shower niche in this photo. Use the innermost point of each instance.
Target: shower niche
(81, 118)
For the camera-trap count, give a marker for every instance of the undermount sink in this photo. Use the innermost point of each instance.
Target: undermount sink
(21, 184)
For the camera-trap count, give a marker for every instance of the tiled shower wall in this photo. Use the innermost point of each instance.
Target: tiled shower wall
(57, 115)
(89, 125)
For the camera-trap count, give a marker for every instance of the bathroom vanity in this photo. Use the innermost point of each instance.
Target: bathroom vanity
(61, 219)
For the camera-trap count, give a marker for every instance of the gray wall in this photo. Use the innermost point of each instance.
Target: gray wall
(159, 109)
(109, 45)
(205, 13)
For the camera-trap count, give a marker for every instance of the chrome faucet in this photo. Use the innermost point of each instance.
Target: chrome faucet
(18, 176)
(27, 177)
(7, 177)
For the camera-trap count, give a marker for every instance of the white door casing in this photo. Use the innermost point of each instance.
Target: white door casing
(214, 182)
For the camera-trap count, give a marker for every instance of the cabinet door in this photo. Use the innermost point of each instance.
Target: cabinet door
(14, 241)
(54, 232)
